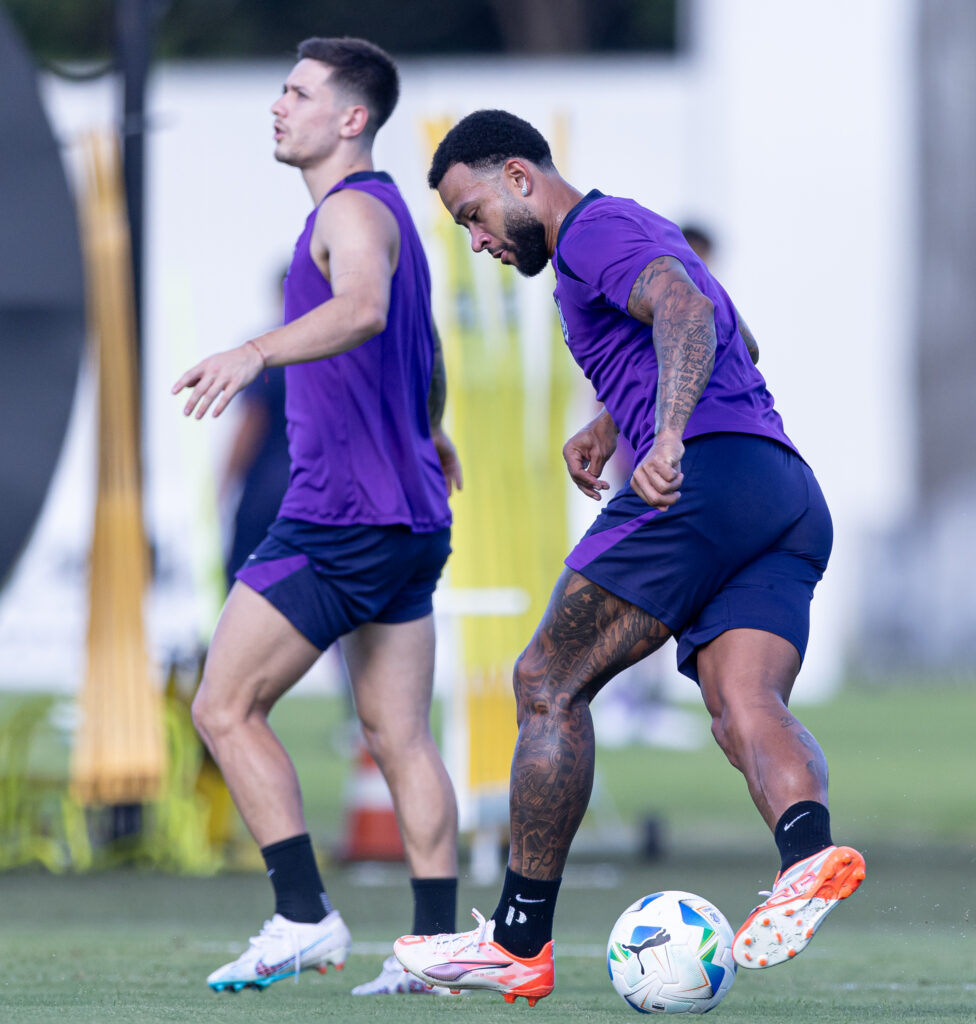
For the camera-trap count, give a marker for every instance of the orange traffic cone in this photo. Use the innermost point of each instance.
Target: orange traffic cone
(371, 831)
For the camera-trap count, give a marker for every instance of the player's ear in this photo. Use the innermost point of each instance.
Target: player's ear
(517, 176)
(354, 121)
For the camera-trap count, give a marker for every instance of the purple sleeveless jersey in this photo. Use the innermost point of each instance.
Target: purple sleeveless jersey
(358, 427)
(603, 245)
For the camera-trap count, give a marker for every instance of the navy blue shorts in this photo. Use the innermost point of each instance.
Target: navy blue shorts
(327, 580)
(743, 547)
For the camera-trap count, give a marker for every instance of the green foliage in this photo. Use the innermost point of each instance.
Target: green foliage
(39, 822)
(67, 30)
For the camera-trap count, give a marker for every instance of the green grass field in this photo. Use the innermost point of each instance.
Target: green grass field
(131, 945)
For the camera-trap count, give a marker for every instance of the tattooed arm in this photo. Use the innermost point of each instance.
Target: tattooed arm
(437, 394)
(748, 338)
(684, 340)
(436, 400)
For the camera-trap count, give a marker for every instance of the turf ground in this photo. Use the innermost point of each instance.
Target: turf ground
(128, 945)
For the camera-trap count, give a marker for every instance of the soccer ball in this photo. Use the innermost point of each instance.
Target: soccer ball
(671, 952)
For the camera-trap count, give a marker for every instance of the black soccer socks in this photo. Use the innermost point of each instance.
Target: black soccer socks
(299, 893)
(523, 918)
(434, 905)
(803, 830)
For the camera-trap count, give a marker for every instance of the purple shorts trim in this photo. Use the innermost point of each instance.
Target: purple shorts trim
(261, 575)
(595, 544)
(328, 580)
(744, 546)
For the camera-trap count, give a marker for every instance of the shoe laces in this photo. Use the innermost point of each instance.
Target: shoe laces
(457, 942)
(275, 931)
(268, 933)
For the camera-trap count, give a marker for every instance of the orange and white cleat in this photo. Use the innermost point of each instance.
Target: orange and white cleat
(781, 927)
(473, 960)
(395, 980)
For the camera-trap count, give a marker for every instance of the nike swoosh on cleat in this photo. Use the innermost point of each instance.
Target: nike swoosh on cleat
(263, 970)
(786, 828)
(458, 969)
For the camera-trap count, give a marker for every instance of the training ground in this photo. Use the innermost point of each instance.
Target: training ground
(131, 945)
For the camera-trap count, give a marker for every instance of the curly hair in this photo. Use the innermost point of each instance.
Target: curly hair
(360, 68)
(486, 139)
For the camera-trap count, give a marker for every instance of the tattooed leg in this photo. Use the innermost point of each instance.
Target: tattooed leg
(746, 679)
(586, 637)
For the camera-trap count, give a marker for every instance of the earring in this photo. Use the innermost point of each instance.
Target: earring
(525, 188)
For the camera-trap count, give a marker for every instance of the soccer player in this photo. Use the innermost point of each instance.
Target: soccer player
(363, 531)
(718, 540)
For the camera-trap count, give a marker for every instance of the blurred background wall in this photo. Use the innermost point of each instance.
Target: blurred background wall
(827, 147)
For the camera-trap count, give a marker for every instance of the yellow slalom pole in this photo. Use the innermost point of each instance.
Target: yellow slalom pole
(119, 755)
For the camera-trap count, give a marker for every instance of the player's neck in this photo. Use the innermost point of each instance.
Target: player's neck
(321, 177)
(562, 198)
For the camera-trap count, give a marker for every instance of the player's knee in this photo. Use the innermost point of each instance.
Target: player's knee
(530, 697)
(738, 724)
(212, 718)
(548, 692)
(519, 677)
(389, 743)
(375, 741)
(201, 712)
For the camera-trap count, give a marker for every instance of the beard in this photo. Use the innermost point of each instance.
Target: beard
(526, 241)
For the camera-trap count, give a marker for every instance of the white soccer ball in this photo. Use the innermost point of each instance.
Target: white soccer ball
(671, 952)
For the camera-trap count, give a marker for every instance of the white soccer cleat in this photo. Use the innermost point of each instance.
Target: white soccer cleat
(395, 980)
(780, 928)
(283, 949)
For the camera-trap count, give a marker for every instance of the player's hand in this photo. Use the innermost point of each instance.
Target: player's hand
(218, 378)
(587, 452)
(450, 463)
(658, 478)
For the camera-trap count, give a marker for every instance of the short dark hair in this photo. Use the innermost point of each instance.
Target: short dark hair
(485, 139)
(361, 68)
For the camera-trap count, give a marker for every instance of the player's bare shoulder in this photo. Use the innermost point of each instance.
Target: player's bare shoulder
(354, 224)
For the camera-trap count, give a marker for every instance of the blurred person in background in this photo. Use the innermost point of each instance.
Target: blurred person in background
(363, 531)
(256, 471)
(718, 540)
(701, 242)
